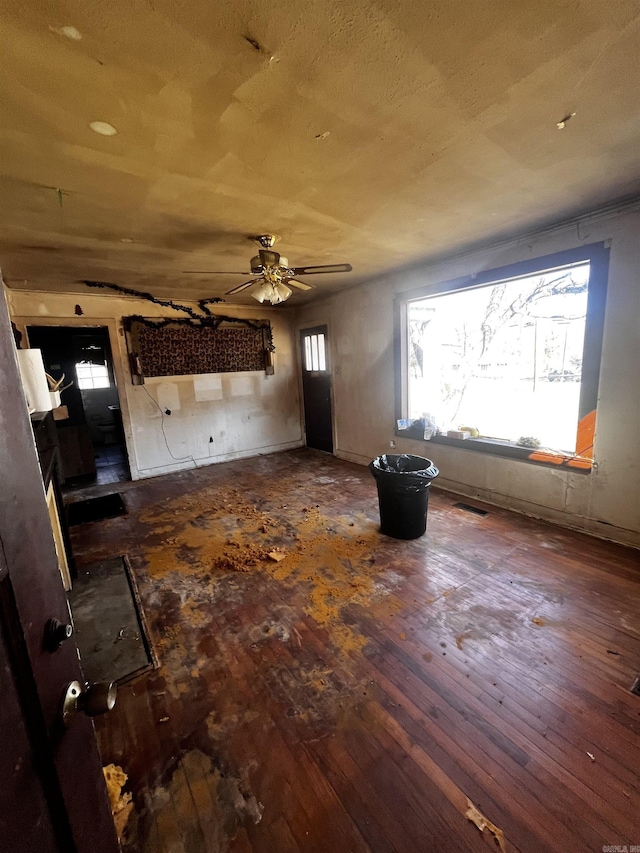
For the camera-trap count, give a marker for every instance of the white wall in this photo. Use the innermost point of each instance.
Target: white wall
(605, 502)
(245, 413)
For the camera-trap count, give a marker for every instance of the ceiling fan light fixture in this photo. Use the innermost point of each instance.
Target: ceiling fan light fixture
(273, 293)
(262, 292)
(283, 291)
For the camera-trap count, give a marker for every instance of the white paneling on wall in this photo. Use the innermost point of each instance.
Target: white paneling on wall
(213, 418)
(605, 502)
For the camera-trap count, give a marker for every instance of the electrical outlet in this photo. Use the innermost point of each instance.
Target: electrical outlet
(392, 444)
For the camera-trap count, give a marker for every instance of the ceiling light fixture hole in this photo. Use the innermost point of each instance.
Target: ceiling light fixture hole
(103, 128)
(69, 32)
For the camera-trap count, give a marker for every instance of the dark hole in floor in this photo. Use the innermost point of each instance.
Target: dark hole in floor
(95, 509)
(635, 687)
(468, 508)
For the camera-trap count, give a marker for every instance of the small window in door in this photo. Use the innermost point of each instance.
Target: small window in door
(315, 353)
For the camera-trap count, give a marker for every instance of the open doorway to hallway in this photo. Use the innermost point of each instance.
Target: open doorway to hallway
(89, 420)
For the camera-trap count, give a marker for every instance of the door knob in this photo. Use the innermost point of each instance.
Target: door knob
(92, 700)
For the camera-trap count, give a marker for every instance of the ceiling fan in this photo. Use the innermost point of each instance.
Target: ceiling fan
(273, 273)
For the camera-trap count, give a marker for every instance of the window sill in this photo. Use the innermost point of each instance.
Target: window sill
(495, 447)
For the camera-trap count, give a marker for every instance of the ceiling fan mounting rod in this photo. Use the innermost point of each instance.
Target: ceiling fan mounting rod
(265, 240)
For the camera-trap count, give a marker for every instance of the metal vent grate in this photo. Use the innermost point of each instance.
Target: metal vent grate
(468, 508)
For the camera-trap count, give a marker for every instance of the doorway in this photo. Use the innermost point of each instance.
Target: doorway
(89, 420)
(316, 388)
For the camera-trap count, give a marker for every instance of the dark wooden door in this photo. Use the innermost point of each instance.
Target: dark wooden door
(316, 388)
(56, 789)
(25, 816)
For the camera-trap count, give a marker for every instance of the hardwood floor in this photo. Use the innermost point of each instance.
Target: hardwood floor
(353, 695)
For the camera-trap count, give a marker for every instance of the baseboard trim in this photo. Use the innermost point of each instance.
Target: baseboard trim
(352, 457)
(188, 465)
(581, 524)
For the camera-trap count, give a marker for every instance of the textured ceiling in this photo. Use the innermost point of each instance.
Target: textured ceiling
(379, 133)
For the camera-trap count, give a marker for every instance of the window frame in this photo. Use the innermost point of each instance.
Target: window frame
(597, 254)
(91, 365)
(309, 336)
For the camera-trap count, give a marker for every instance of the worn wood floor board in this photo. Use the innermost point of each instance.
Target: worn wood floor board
(534, 653)
(461, 779)
(362, 812)
(542, 711)
(459, 765)
(350, 697)
(470, 759)
(533, 688)
(282, 839)
(345, 832)
(424, 806)
(590, 626)
(306, 795)
(482, 733)
(554, 723)
(579, 760)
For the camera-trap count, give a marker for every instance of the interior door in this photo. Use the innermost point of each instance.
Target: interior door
(25, 816)
(316, 388)
(64, 800)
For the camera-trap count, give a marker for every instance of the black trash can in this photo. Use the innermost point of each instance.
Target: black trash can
(403, 493)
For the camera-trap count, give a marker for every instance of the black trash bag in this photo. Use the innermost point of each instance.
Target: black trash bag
(416, 472)
(403, 483)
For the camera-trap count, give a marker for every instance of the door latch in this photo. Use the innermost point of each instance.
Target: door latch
(55, 633)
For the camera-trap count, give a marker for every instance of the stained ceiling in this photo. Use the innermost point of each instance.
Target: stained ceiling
(378, 133)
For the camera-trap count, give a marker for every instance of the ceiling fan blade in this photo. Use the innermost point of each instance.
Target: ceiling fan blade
(299, 284)
(324, 268)
(242, 286)
(212, 272)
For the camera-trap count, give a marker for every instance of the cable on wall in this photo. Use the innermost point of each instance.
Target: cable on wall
(164, 434)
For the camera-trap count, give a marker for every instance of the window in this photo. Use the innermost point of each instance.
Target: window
(314, 352)
(92, 375)
(508, 361)
(92, 369)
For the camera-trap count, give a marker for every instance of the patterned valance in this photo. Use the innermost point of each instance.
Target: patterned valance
(187, 347)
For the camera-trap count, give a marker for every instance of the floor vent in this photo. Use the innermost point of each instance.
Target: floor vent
(635, 687)
(468, 508)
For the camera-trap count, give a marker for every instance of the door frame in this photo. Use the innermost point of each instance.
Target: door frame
(120, 369)
(301, 327)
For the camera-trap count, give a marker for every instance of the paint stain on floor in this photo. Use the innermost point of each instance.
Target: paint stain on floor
(330, 562)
